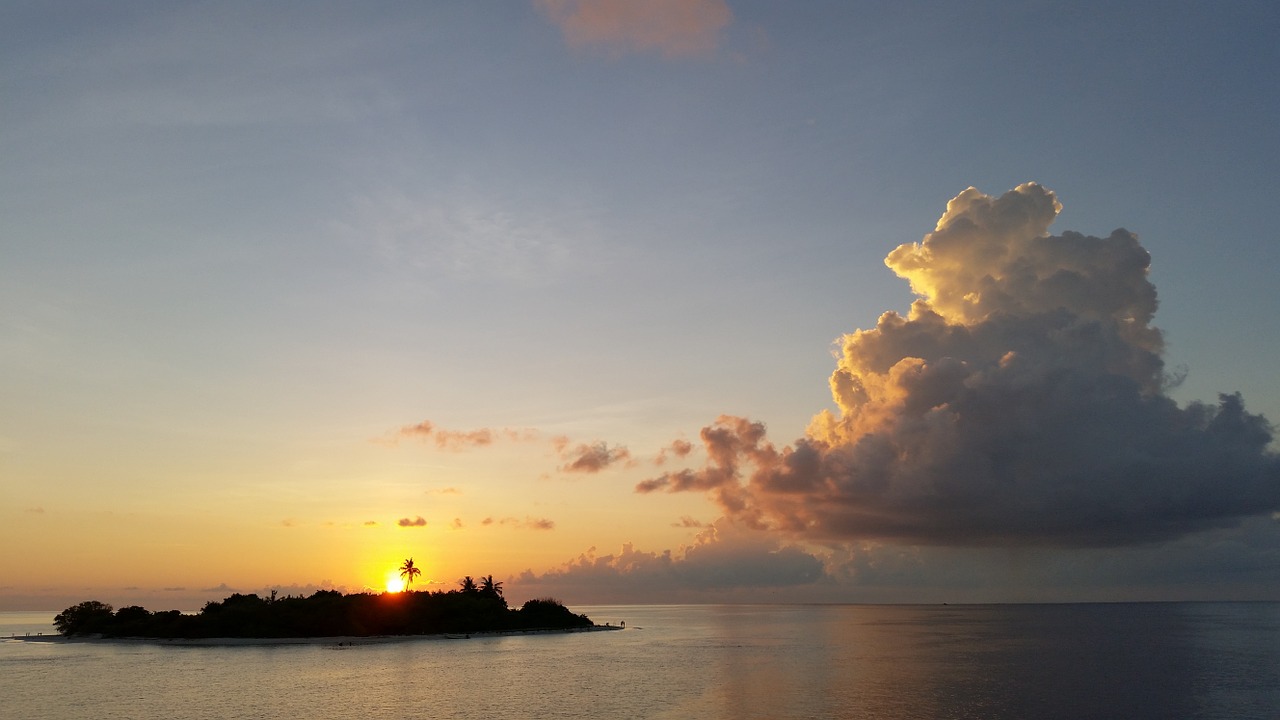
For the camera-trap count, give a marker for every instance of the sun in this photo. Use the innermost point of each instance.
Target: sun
(394, 582)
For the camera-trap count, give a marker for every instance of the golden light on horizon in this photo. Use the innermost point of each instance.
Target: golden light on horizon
(395, 583)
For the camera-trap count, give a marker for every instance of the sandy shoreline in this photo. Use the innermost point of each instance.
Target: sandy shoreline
(337, 641)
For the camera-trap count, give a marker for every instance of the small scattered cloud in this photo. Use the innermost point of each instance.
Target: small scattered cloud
(530, 523)
(688, 522)
(418, 521)
(587, 458)
(463, 439)
(456, 524)
(672, 28)
(677, 448)
(591, 458)
(183, 589)
(219, 588)
(370, 523)
(288, 522)
(444, 491)
(36, 510)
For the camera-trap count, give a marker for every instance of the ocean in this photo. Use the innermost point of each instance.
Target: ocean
(879, 662)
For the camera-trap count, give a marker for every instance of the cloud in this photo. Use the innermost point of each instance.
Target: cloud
(678, 448)
(462, 439)
(688, 522)
(580, 458)
(1021, 401)
(415, 522)
(456, 524)
(1235, 563)
(530, 523)
(591, 458)
(673, 28)
(724, 557)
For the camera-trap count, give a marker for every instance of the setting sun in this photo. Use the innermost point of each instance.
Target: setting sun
(394, 583)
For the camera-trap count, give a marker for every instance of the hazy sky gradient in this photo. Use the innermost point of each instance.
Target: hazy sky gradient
(268, 276)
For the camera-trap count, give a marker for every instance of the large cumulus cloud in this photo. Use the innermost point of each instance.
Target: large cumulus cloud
(1021, 401)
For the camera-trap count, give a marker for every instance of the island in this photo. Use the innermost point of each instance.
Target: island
(471, 609)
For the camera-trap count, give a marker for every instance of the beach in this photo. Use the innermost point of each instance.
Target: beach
(340, 640)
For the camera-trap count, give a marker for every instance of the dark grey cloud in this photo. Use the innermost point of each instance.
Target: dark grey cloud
(1023, 401)
(418, 521)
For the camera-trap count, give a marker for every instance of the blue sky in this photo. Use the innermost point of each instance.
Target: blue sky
(243, 245)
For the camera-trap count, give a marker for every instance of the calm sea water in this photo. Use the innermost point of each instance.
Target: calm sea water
(778, 661)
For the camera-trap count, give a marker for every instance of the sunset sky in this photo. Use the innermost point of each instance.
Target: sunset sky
(569, 292)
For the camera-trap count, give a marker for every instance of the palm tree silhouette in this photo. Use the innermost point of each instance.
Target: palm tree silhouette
(468, 585)
(489, 586)
(409, 572)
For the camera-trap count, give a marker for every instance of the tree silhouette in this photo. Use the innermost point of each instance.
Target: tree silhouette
(489, 586)
(326, 613)
(468, 584)
(409, 572)
(84, 619)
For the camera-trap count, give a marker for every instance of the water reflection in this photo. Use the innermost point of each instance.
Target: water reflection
(706, 662)
(1017, 661)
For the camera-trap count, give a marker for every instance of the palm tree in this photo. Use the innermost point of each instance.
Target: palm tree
(489, 586)
(409, 572)
(468, 585)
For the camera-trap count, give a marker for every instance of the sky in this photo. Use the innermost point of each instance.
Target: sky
(650, 301)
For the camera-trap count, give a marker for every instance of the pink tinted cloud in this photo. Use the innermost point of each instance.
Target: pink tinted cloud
(463, 439)
(593, 458)
(672, 28)
(677, 448)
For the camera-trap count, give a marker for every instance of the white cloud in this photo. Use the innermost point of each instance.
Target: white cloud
(1020, 402)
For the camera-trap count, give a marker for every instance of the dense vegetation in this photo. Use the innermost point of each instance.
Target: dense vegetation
(326, 613)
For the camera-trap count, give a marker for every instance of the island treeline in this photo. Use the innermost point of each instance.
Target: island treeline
(326, 613)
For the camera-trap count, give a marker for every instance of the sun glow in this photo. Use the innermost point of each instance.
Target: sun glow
(395, 583)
